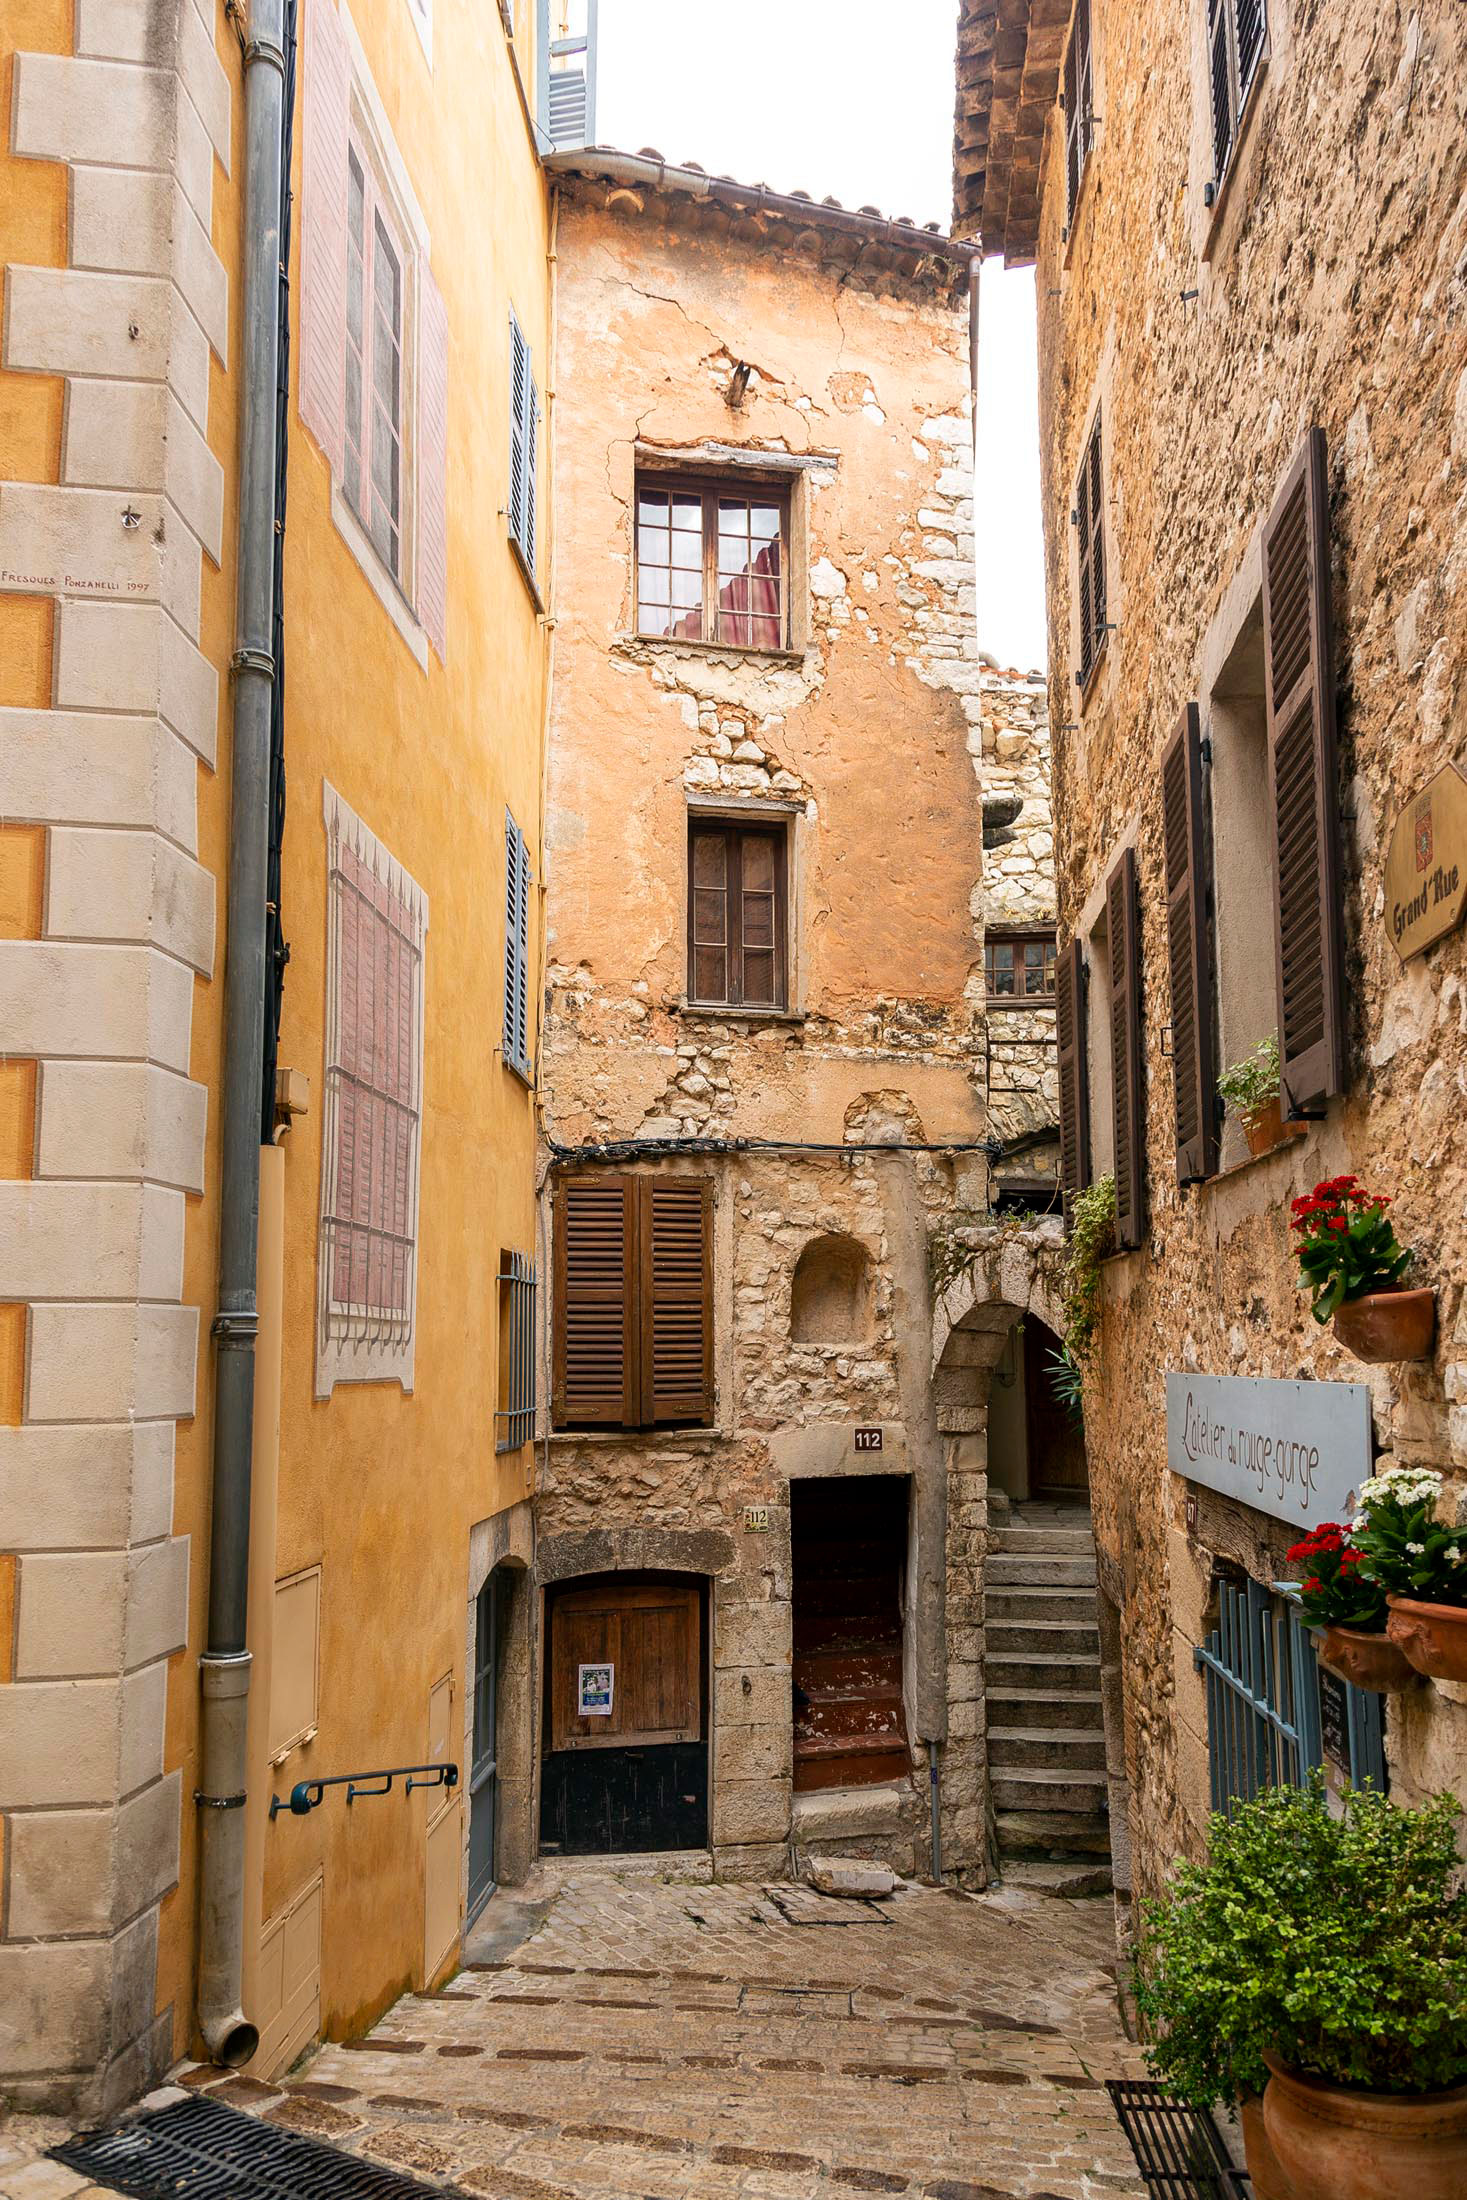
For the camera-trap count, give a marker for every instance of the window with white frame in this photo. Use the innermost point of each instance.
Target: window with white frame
(377, 920)
(373, 376)
(524, 440)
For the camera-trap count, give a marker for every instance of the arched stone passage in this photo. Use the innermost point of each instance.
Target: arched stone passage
(1007, 1275)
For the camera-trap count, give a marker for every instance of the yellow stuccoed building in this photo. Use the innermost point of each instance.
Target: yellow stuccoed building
(390, 1461)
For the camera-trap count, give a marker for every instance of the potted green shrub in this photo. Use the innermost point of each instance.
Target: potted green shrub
(1420, 1563)
(1351, 1263)
(1250, 1090)
(1326, 1950)
(1343, 1600)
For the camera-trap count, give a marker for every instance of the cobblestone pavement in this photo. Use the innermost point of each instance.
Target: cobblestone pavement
(669, 2040)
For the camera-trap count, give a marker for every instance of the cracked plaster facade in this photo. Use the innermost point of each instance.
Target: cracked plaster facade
(868, 738)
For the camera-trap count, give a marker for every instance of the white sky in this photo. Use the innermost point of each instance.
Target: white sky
(826, 96)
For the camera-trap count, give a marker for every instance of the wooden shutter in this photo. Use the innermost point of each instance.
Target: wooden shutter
(1128, 1100)
(432, 573)
(595, 1372)
(1299, 692)
(517, 882)
(1074, 1077)
(1079, 99)
(677, 1299)
(532, 448)
(519, 413)
(321, 389)
(1189, 949)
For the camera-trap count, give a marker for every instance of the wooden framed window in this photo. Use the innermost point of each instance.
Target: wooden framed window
(1188, 856)
(737, 915)
(1089, 519)
(375, 260)
(1071, 1011)
(713, 561)
(633, 1301)
(1237, 31)
(1128, 1097)
(1019, 966)
(1079, 104)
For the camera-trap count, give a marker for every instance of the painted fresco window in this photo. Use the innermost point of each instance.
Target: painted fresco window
(1019, 966)
(373, 335)
(377, 921)
(376, 257)
(713, 562)
(738, 929)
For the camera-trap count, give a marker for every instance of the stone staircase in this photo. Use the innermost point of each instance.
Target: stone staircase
(1046, 1738)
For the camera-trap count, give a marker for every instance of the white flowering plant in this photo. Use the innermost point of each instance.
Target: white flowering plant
(1405, 1547)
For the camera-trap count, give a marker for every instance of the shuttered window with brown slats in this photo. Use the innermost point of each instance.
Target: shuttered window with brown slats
(1299, 697)
(1190, 949)
(1090, 530)
(1073, 1065)
(1079, 101)
(1236, 33)
(737, 899)
(633, 1311)
(1122, 916)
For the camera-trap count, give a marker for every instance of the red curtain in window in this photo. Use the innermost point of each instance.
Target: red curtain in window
(748, 605)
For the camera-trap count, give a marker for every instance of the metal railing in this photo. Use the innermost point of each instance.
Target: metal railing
(306, 1795)
(1268, 1701)
(514, 1423)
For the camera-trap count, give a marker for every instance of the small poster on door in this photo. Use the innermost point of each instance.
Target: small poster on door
(595, 1685)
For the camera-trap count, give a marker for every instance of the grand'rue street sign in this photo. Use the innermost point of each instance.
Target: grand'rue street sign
(1297, 1450)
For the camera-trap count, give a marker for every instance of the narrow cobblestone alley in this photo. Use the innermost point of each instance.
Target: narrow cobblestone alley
(671, 2039)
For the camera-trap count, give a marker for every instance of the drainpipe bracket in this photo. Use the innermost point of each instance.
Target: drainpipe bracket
(264, 49)
(235, 1328)
(253, 660)
(219, 1802)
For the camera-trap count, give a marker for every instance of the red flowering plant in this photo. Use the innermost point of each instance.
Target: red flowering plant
(1345, 1243)
(1334, 1592)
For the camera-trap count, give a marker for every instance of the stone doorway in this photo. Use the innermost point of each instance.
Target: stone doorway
(848, 1548)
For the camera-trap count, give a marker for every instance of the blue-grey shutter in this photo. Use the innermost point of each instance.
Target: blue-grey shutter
(519, 387)
(567, 73)
(532, 445)
(516, 948)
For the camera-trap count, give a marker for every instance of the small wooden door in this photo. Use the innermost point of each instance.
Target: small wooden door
(484, 1764)
(626, 1764)
(1055, 1438)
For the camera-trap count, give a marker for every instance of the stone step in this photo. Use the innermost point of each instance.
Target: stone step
(1068, 1542)
(1068, 1749)
(1059, 1707)
(1051, 1833)
(1025, 1638)
(1030, 1672)
(1008, 1601)
(1045, 1787)
(1039, 1570)
(1065, 1881)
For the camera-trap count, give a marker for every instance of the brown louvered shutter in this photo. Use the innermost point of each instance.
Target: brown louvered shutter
(595, 1310)
(1123, 931)
(1073, 1067)
(1299, 690)
(1189, 949)
(676, 1299)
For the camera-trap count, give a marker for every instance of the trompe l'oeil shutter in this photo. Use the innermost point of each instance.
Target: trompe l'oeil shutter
(677, 1340)
(322, 384)
(1074, 1081)
(596, 1377)
(1189, 949)
(1123, 934)
(1299, 693)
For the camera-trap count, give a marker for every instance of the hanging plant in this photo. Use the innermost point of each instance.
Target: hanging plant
(1346, 1246)
(1092, 1236)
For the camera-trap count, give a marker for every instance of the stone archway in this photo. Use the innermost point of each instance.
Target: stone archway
(994, 1278)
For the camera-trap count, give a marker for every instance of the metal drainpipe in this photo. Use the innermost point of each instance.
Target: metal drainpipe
(225, 1665)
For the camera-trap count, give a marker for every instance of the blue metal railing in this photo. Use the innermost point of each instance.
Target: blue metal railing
(1266, 1697)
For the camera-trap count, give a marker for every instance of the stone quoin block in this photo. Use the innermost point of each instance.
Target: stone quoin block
(111, 1362)
(194, 480)
(121, 1119)
(133, 657)
(140, 1733)
(60, 1873)
(202, 75)
(130, 886)
(63, 997)
(77, 767)
(58, 1743)
(54, 1995)
(73, 109)
(60, 1240)
(119, 30)
(193, 157)
(70, 1614)
(157, 1602)
(113, 434)
(121, 221)
(200, 276)
(52, 539)
(85, 1487)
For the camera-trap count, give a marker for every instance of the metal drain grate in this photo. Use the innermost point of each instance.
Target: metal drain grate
(201, 2150)
(1177, 2148)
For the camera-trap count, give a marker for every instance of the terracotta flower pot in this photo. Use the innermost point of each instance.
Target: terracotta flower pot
(1387, 1325)
(1264, 1128)
(1370, 1660)
(1433, 1637)
(1334, 2143)
(1264, 2168)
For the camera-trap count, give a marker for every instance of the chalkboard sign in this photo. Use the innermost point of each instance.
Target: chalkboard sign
(1334, 1719)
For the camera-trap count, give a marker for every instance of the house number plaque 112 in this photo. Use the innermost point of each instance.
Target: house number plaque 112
(868, 1439)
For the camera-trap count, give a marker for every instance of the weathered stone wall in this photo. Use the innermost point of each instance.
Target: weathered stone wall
(1328, 285)
(870, 735)
(1018, 889)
